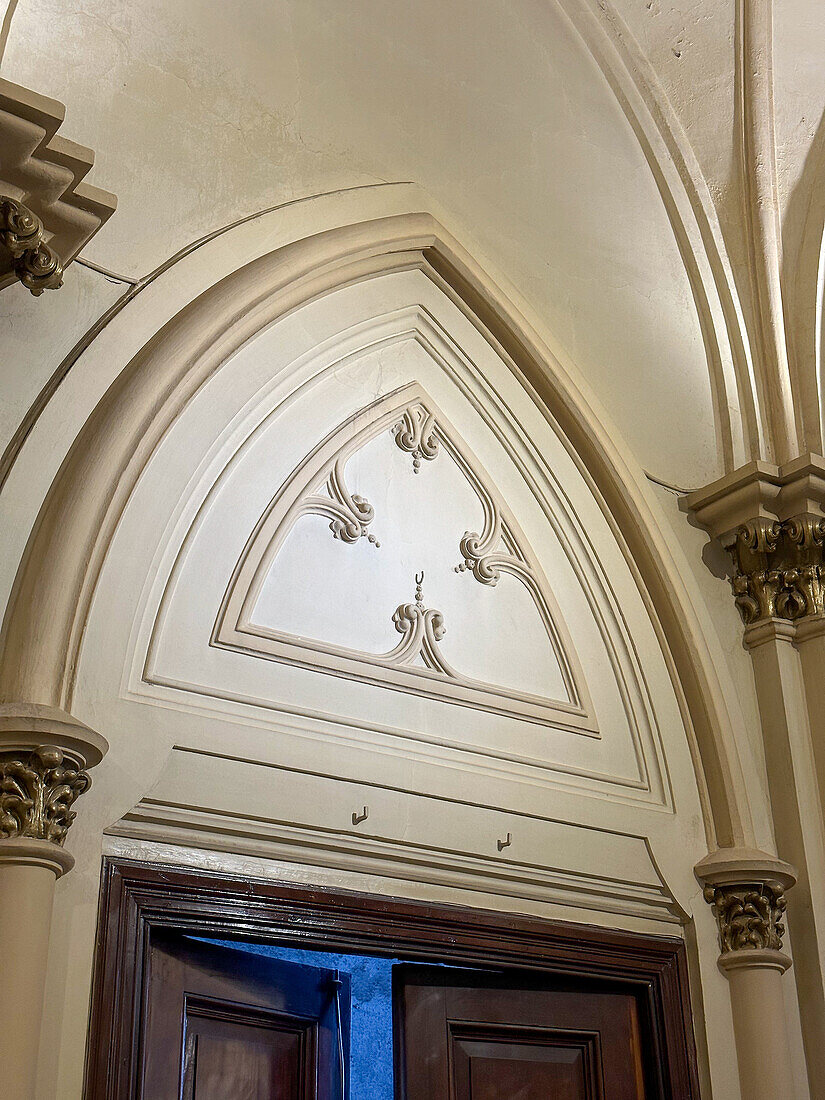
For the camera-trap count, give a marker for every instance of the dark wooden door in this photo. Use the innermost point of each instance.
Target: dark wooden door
(466, 1036)
(224, 1024)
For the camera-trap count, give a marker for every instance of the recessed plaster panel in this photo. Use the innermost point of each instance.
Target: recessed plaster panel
(495, 108)
(348, 595)
(337, 385)
(172, 559)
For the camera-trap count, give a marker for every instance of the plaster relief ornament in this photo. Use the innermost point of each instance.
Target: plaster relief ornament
(37, 791)
(262, 612)
(416, 433)
(349, 514)
(749, 916)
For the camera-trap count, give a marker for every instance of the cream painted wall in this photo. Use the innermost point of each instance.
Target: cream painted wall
(199, 117)
(37, 335)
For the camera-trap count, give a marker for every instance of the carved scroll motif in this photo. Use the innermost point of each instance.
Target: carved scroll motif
(35, 264)
(350, 515)
(417, 434)
(37, 791)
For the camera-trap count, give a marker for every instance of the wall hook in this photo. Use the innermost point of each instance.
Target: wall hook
(502, 844)
(358, 818)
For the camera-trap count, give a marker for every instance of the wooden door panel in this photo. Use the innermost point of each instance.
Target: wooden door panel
(520, 1063)
(224, 1024)
(230, 1051)
(487, 1037)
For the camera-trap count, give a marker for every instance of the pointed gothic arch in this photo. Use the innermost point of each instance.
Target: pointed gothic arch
(47, 613)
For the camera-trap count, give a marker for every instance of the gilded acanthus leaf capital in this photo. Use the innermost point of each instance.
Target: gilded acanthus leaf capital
(779, 569)
(37, 791)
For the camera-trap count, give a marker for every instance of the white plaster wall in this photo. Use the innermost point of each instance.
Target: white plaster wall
(799, 45)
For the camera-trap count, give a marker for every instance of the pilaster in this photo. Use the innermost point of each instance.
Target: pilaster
(771, 520)
(45, 755)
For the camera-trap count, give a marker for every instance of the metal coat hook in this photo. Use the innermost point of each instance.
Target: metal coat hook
(502, 844)
(358, 818)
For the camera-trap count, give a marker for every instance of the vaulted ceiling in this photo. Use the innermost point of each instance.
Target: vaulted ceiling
(595, 155)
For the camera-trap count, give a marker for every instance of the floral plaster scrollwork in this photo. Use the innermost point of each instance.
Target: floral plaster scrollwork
(350, 515)
(749, 916)
(423, 628)
(417, 434)
(37, 791)
(319, 486)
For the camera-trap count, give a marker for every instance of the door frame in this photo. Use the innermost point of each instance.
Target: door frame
(138, 897)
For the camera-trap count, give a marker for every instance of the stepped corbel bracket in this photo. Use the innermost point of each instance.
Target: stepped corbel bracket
(36, 265)
(48, 213)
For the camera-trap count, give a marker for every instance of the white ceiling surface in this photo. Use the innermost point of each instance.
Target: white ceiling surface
(201, 113)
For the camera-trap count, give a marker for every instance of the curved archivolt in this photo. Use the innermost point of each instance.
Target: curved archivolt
(324, 486)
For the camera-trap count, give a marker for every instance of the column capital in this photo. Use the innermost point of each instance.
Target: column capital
(44, 756)
(746, 891)
(771, 520)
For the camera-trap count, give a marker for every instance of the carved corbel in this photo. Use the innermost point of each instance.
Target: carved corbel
(48, 213)
(771, 520)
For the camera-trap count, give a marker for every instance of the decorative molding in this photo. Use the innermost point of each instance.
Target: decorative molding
(213, 802)
(771, 520)
(44, 204)
(151, 677)
(779, 569)
(746, 891)
(423, 629)
(348, 513)
(37, 793)
(35, 264)
(759, 491)
(318, 487)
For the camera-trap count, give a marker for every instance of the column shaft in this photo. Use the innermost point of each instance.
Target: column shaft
(762, 1048)
(797, 812)
(26, 898)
